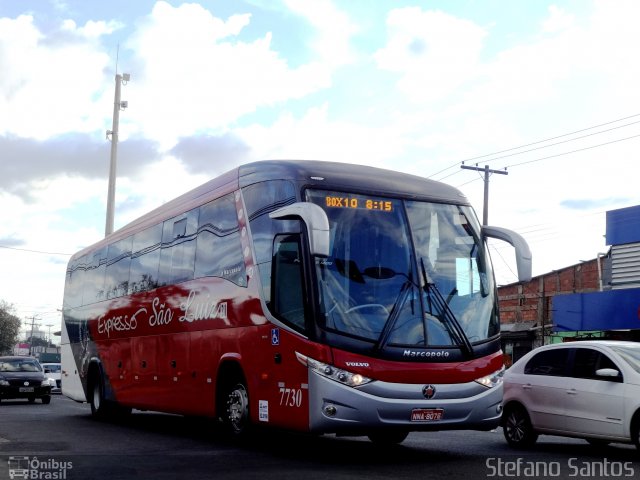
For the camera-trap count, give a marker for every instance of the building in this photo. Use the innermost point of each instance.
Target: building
(599, 298)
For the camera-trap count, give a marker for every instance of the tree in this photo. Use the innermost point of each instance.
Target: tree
(9, 328)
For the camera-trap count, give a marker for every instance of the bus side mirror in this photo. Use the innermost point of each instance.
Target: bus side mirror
(316, 221)
(523, 253)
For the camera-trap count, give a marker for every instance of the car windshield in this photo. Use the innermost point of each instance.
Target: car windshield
(19, 365)
(52, 367)
(404, 273)
(629, 354)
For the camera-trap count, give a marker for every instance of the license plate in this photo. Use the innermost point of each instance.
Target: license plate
(426, 414)
(25, 389)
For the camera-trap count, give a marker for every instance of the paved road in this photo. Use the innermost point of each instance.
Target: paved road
(60, 440)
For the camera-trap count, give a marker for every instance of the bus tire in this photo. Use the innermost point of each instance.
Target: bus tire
(236, 409)
(99, 407)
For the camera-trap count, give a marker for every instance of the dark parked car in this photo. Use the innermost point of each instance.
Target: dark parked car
(23, 377)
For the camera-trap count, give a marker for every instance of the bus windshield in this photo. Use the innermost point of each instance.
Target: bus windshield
(404, 273)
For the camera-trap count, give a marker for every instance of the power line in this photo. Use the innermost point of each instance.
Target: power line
(574, 151)
(35, 251)
(560, 143)
(560, 155)
(558, 136)
(536, 143)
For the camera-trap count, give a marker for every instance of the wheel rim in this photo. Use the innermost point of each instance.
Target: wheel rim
(96, 396)
(237, 408)
(516, 427)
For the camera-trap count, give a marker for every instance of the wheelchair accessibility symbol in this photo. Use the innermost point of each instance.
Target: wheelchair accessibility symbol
(275, 336)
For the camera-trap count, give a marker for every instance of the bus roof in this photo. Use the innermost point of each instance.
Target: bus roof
(350, 177)
(311, 173)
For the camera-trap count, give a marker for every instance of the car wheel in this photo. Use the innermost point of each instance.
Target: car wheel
(236, 415)
(517, 427)
(394, 437)
(46, 399)
(635, 431)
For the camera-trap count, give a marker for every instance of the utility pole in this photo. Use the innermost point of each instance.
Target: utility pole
(33, 321)
(50, 325)
(487, 171)
(117, 106)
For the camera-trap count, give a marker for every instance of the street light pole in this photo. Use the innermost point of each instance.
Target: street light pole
(111, 194)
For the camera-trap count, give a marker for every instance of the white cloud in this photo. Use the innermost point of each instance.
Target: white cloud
(314, 136)
(49, 87)
(558, 20)
(91, 29)
(333, 29)
(434, 52)
(198, 76)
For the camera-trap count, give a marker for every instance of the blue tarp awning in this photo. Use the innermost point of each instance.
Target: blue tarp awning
(609, 310)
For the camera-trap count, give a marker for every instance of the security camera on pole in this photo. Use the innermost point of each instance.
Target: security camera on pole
(117, 106)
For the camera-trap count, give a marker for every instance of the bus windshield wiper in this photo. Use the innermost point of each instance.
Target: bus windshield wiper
(394, 315)
(447, 317)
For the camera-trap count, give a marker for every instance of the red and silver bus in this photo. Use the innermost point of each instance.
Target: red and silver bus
(311, 296)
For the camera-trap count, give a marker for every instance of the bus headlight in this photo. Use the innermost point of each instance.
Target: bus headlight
(492, 380)
(334, 373)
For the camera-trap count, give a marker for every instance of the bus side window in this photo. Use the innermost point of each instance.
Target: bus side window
(117, 273)
(75, 282)
(287, 295)
(145, 259)
(261, 199)
(218, 247)
(94, 290)
(178, 253)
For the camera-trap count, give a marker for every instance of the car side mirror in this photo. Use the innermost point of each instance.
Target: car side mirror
(608, 372)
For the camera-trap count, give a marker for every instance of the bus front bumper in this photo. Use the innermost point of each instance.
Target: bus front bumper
(337, 408)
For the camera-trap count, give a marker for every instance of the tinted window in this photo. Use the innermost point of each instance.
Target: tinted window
(218, 247)
(145, 259)
(261, 199)
(74, 284)
(94, 290)
(117, 272)
(587, 361)
(548, 362)
(178, 253)
(288, 295)
(631, 355)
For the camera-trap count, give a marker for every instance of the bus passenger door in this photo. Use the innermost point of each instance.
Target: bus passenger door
(287, 389)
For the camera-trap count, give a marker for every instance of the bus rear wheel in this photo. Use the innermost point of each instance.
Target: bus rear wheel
(236, 414)
(96, 394)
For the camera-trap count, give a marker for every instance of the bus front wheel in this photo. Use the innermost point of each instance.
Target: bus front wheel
(237, 409)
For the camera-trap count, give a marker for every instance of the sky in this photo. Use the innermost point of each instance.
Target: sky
(546, 89)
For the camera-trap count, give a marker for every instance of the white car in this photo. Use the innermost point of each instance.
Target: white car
(583, 389)
(53, 371)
